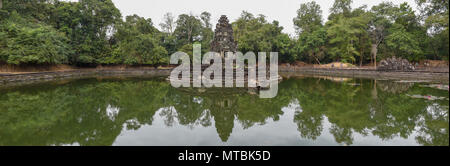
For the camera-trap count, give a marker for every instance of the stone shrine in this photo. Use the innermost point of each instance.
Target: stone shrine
(395, 64)
(223, 37)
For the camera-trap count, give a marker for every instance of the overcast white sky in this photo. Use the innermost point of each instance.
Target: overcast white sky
(282, 10)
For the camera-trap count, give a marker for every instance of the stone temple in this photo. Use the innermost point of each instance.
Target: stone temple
(223, 37)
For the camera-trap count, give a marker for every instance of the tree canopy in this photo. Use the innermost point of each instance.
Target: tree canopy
(91, 32)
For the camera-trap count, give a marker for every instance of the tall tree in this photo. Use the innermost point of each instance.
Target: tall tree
(257, 35)
(436, 13)
(403, 44)
(188, 29)
(312, 35)
(169, 24)
(206, 18)
(251, 33)
(92, 34)
(403, 34)
(436, 17)
(240, 25)
(379, 24)
(342, 39)
(360, 25)
(207, 33)
(309, 18)
(340, 7)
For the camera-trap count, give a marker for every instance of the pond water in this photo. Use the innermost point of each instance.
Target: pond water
(149, 111)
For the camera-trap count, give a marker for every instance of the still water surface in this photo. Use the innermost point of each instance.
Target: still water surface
(148, 111)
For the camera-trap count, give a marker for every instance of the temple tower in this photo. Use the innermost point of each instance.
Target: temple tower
(223, 37)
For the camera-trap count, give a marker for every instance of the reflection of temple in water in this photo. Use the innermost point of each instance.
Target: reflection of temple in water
(223, 109)
(393, 86)
(224, 120)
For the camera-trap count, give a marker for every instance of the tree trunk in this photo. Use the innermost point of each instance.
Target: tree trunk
(314, 55)
(189, 35)
(373, 53)
(360, 61)
(361, 52)
(1, 4)
(434, 50)
(361, 56)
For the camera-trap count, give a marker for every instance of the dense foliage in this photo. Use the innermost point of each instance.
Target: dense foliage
(33, 43)
(257, 35)
(91, 32)
(364, 35)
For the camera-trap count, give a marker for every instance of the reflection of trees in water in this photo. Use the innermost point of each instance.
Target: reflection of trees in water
(170, 114)
(309, 123)
(438, 134)
(342, 134)
(342, 103)
(95, 113)
(77, 112)
(401, 115)
(362, 109)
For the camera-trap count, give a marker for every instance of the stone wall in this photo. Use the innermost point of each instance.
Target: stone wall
(14, 79)
(6, 79)
(367, 73)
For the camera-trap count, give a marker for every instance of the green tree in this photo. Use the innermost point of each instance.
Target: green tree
(309, 18)
(347, 32)
(143, 49)
(360, 24)
(250, 33)
(379, 23)
(396, 29)
(193, 29)
(342, 40)
(257, 35)
(313, 44)
(91, 40)
(36, 9)
(169, 42)
(436, 17)
(285, 46)
(403, 43)
(188, 29)
(207, 33)
(168, 23)
(312, 35)
(137, 43)
(340, 7)
(167, 39)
